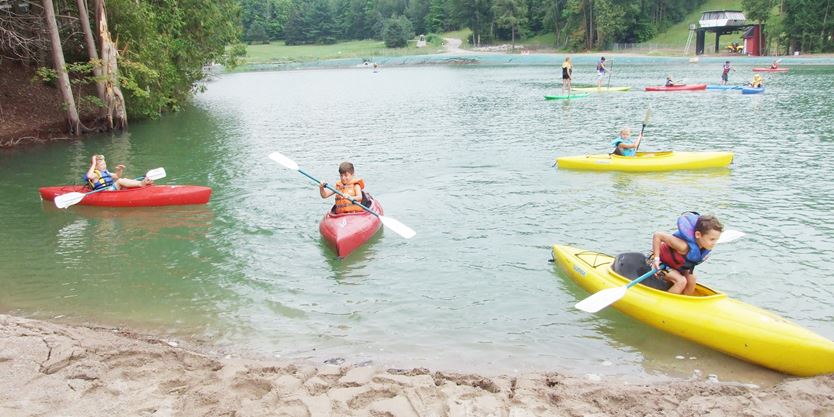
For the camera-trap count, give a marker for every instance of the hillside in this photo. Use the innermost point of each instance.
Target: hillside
(676, 35)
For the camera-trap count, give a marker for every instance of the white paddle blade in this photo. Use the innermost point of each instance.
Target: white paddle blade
(398, 227)
(648, 115)
(729, 236)
(601, 299)
(68, 199)
(283, 160)
(156, 174)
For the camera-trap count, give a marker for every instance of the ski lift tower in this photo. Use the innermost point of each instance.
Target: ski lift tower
(722, 22)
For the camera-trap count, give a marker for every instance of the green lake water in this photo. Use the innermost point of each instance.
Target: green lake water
(463, 155)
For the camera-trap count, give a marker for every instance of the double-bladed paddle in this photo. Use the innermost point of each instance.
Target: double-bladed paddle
(388, 222)
(608, 296)
(68, 199)
(645, 122)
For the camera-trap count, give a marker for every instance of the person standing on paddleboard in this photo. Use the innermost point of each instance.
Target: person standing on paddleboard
(601, 70)
(725, 73)
(567, 75)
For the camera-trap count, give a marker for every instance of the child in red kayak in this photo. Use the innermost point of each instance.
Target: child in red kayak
(98, 177)
(347, 185)
(681, 251)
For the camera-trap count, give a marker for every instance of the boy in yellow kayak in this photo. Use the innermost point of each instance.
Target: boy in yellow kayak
(758, 81)
(99, 177)
(681, 251)
(623, 145)
(347, 185)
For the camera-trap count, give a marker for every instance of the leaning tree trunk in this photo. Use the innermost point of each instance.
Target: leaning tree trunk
(114, 100)
(91, 47)
(73, 122)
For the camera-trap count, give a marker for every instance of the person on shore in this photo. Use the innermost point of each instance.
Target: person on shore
(725, 73)
(758, 81)
(601, 69)
(567, 75)
(98, 177)
(681, 251)
(347, 185)
(623, 145)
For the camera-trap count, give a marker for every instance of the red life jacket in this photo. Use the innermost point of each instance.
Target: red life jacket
(343, 205)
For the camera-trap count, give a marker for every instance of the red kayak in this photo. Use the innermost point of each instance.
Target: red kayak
(679, 87)
(153, 195)
(771, 69)
(348, 231)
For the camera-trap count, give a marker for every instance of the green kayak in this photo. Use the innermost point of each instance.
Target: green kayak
(601, 89)
(563, 97)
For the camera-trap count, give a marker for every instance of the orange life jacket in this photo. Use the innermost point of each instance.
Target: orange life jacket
(343, 205)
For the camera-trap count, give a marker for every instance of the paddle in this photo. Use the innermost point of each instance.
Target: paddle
(611, 71)
(608, 296)
(645, 122)
(388, 222)
(68, 199)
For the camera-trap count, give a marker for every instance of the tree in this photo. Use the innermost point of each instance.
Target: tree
(73, 121)
(759, 11)
(397, 31)
(257, 33)
(510, 14)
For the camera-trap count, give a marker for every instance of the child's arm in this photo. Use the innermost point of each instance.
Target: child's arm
(119, 170)
(324, 192)
(357, 191)
(676, 244)
(91, 172)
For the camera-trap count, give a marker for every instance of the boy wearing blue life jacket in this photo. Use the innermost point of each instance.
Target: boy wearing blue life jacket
(623, 146)
(681, 251)
(98, 177)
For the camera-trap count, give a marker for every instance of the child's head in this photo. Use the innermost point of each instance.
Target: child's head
(707, 231)
(567, 59)
(602, 59)
(346, 171)
(101, 165)
(625, 132)
(727, 62)
(669, 77)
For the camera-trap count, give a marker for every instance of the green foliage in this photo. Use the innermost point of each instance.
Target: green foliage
(257, 33)
(510, 14)
(808, 25)
(757, 10)
(46, 75)
(397, 31)
(166, 44)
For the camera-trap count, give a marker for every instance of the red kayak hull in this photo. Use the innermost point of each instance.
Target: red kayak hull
(771, 69)
(154, 195)
(346, 232)
(684, 87)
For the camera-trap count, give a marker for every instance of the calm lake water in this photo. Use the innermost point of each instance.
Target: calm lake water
(463, 155)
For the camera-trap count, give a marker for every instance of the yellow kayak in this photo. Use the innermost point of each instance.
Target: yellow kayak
(600, 89)
(709, 317)
(647, 161)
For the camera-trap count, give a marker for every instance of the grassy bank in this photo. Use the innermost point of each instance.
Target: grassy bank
(280, 52)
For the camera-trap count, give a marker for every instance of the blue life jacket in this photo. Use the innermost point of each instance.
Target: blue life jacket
(695, 255)
(623, 152)
(105, 179)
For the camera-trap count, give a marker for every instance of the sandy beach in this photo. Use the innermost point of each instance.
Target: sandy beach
(49, 369)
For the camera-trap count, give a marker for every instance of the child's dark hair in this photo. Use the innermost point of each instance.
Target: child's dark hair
(708, 222)
(345, 167)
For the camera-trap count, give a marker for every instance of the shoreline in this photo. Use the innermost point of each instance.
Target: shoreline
(55, 369)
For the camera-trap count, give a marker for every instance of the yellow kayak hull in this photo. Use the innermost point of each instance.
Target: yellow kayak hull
(709, 318)
(600, 89)
(647, 161)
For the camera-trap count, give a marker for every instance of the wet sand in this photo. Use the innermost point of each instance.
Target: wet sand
(49, 369)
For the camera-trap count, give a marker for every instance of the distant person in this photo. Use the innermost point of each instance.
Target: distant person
(725, 73)
(775, 64)
(623, 145)
(758, 81)
(567, 75)
(347, 185)
(669, 81)
(601, 69)
(98, 177)
(681, 251)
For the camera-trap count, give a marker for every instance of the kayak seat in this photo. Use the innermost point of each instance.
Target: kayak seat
(633, 265)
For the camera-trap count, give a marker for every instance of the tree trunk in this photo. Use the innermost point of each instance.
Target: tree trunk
(513, 30)
(73, 122)
(114, 100)
(92, 52)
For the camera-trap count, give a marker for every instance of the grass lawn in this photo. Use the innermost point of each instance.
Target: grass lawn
(279, 52)
(677, 34)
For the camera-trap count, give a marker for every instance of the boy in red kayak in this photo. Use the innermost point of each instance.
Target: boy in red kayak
(347, 185)
(99, 177)
(681, 251)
